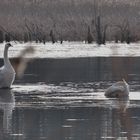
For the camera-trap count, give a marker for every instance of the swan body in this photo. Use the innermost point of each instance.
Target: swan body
(7, 72)
(119, 89)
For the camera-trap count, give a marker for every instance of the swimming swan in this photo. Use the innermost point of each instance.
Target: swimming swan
(7, 72)
(119, 89)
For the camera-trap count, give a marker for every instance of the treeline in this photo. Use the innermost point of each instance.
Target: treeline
(73, 20)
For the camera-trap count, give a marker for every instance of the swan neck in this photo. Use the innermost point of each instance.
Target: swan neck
(6, 59)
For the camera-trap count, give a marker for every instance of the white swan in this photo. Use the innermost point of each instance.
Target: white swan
(7, 72)
(119, 89)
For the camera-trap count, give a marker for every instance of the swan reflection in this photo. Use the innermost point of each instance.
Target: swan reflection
(125, 117)
(7, 104)
(121, 117)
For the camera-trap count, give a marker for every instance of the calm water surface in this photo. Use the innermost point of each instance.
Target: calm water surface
(63, 99)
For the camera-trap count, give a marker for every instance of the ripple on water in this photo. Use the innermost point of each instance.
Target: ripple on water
(69, 95)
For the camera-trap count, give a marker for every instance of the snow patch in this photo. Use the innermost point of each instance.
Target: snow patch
(75, 49)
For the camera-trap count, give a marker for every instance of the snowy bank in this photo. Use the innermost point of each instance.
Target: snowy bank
(75, 49)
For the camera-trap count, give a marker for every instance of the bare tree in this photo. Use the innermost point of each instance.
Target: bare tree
(124, 30)
(89, 36)
(1, 36)
(100, 27)
(52, 36)
(72, 19)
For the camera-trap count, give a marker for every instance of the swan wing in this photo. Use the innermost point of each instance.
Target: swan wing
(118, 88)
(111, 91)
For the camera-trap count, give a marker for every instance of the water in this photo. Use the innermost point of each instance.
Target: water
(63, 99)
(91, 69)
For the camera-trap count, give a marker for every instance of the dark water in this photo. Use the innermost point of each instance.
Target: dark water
(64, 100)
(83, 69)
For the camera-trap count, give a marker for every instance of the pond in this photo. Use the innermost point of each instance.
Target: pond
(63, 99)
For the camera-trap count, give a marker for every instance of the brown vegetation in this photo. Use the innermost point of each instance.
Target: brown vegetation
(73, 20)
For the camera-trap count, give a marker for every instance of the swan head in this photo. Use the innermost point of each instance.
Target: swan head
(7, 45)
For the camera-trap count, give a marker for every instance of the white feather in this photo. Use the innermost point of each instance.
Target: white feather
(118, 89)
(7, 73)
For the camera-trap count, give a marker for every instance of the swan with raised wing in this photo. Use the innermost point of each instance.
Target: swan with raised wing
(119, 89)
(7, 72)
(20, 62)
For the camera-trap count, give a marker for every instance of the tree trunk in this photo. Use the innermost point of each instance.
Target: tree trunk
(52, 36)
(104, 35)
(98, 28)
(1, 37)
(7, 37)
(89, 36)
